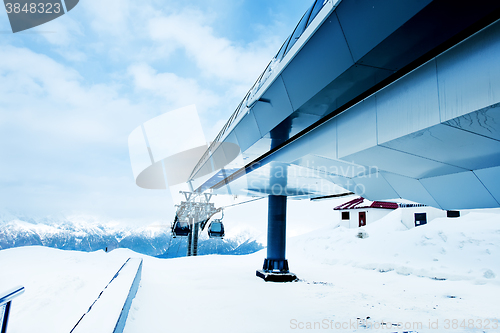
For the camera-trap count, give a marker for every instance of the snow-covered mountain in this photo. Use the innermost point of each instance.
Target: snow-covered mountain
(88, 234)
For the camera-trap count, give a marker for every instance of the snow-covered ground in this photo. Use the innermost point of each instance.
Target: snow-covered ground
(441, 277)
(59, 285)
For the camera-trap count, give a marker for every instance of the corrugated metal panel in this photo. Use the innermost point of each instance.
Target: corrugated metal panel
(349, 204)
(358, 203)
(385, 205)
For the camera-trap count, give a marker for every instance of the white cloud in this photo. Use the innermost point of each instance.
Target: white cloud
(111, 16)
(64, 142)
(214, 56)
(62, 31)
(64, 121)
(49, 98)
(175, 90)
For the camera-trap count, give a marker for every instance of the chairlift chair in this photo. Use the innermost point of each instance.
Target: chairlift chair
(216, 229)
(181, 229)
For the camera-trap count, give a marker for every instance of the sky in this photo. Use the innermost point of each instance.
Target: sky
(73, 89)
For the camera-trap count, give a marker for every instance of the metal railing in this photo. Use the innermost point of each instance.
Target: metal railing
(5, 305)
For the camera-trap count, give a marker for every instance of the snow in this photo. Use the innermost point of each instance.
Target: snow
(59, 285)
(105, 312)
(422, 278)
(464, 248)
(391, 276)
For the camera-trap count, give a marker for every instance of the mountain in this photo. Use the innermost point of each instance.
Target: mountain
(88, 234)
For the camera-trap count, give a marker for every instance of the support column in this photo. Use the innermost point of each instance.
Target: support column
(275, 265)
(195, 233)
(276, 234)
(189, 246)
(190, 239)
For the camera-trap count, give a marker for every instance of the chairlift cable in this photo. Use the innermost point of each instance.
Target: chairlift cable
(169, 242)
(240, 203)
(178, 246)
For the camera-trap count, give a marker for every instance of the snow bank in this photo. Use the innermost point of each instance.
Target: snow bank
(59, 285)
(109, 312)
(465, 248)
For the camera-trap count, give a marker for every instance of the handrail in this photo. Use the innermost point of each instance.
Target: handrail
(6, 301)
(10, 294)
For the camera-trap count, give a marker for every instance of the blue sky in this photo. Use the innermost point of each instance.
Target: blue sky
(73, 89)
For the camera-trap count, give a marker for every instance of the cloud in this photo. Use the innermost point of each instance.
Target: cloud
(62, 32)
(215, 56)
(64, 142)
(175, 90)
(46, 96)
(69, 100)
(112, 16)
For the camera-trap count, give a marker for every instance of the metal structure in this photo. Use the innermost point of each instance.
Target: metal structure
(5, 305)
(383, 98)
(192, 216)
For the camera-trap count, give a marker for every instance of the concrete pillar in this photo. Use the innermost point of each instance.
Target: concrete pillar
(196, 230)
(190, 239)
(275, 265)
(276, 227)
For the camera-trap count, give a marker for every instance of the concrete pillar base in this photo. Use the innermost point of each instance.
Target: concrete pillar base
(275, 265)
(276, 277)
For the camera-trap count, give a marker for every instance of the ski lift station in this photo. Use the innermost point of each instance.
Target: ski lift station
(386, 99)
(390, 105)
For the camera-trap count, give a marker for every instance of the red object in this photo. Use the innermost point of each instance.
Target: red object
(362, 219)
(358, 204)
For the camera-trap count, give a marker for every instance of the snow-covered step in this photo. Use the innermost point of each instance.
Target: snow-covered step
(108, 313)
